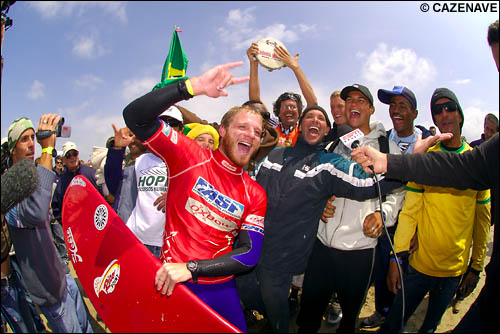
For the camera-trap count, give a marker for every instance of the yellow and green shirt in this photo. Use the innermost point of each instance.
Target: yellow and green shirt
(448, 221)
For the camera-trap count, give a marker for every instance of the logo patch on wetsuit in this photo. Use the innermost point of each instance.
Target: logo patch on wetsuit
(254, 223)
(215, 198)
(206, 216)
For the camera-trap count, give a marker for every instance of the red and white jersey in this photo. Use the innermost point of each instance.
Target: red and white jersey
(209, 200)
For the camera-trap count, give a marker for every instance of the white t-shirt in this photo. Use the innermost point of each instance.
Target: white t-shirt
(146, 222)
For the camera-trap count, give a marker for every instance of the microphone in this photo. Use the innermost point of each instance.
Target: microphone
(352, 140)
(335, 133)
(18, 182)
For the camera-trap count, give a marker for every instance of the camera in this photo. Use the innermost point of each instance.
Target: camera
(61, 130)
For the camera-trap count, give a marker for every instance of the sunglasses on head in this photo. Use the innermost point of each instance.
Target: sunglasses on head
(71, 154)
(289, 96)
(449, 106)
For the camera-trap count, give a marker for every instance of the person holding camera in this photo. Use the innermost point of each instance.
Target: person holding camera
(47, 278)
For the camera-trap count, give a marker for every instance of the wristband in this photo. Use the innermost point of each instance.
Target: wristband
(183, 90)
(399, 260)
(50, 150)
(189, 87)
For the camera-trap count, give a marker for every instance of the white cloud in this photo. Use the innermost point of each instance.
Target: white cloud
(134, 88)
(305, 28)
(238, 18)
(385, 67)
(239, 33)
(88, 47)
(73, 110)
(88, 81)
(461, 82)
(37, 91)
(54, 9)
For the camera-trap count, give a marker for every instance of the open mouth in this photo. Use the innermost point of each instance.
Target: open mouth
(355, 113)
(244, 147)
(314, 131)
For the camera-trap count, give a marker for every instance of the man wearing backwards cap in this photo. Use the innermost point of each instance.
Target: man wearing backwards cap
(444, 237)
(298, 181)
(47, 279)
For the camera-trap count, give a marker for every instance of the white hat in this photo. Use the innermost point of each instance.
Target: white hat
(68, 146)
(174, 113)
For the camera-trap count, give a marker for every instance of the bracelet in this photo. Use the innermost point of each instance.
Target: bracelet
(48, 150)
(399, 260)
(189, 87)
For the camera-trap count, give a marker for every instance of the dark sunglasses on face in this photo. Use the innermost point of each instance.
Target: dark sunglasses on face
(71, 154)
(174, 123)
(449, 106)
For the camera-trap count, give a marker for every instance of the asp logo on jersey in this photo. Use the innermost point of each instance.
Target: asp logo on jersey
(215, 198)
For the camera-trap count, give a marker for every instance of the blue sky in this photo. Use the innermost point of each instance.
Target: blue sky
(87, 60)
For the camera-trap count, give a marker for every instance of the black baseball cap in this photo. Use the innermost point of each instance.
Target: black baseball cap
(357, 87)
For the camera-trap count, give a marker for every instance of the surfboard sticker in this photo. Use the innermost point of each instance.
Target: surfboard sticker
(117, 272)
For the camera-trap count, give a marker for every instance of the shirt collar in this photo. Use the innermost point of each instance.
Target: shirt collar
(224, 163)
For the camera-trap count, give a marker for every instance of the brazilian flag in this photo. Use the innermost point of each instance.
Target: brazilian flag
(176, 64)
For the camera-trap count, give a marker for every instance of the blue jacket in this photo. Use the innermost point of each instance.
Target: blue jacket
(298, 181)
(42, 270)
(62, 185)
(121, 183)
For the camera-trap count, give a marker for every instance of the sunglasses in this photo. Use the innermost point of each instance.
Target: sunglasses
(289, 96)
(449, 106)
(71, 154)
(172, 122)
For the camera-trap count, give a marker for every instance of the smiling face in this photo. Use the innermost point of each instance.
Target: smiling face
(25, 147)
(337, 109)
(71, 160)
(449, 121)
(314, 127)
(240, 139)
(358, 111)
(205, 140)
(402, 115)
(289, 113)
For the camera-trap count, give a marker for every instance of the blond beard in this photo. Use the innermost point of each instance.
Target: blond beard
(226, 146)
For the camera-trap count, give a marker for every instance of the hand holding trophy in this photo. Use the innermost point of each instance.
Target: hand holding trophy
(266, 54)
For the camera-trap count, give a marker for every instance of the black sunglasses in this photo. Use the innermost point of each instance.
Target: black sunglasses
(289, 96)
(449, 106)
(69, 154)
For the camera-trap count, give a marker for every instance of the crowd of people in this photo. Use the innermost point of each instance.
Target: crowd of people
(274, 213)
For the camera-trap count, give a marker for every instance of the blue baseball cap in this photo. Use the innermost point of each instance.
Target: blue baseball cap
(384, 95)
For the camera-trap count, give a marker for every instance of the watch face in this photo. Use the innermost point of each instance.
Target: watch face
(191, 265)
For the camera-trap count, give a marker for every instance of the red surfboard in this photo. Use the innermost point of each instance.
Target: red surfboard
(117, 271)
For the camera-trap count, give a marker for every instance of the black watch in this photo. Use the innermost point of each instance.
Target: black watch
(192, 266)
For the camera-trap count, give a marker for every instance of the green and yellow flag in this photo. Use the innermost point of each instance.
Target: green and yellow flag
(176, 63)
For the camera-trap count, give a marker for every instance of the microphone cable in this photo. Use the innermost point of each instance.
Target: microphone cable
(398, 263)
